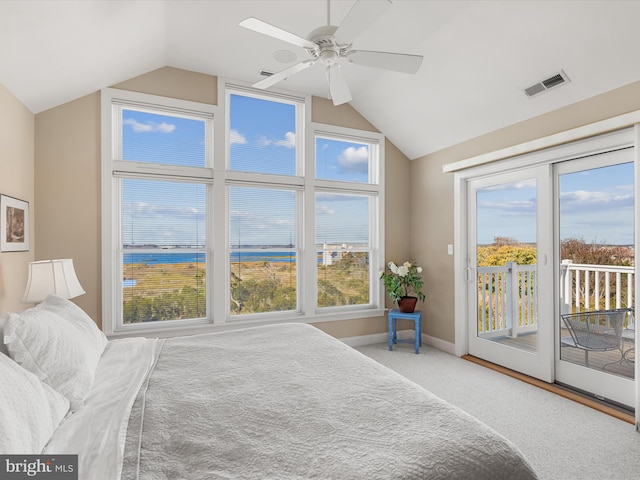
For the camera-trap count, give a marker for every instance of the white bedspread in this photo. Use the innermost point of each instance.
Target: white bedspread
(97, 431)
(290, 402)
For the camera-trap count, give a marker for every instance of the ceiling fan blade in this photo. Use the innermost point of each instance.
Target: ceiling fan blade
(359, 18)
(338, 85)
(267, 29)
(399, 62)
(287, 72)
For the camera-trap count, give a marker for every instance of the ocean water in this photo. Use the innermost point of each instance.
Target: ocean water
(196, 257)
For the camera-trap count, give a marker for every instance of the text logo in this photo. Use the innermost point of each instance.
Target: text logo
(49, 467)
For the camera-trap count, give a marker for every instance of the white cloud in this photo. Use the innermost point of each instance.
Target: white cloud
(511, 207)
(289, 141)
(236, 138)
(324, 209)
(581, 200)
(149, 210)
(149, 127)
(519, 185)
(355, 160)
(165, 127)
(254, 228)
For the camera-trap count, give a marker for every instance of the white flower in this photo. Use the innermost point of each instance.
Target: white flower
(407, 264)
(403, 271)
(419, 269)
(393, 267)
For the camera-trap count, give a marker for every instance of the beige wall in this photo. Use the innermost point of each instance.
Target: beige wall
(175, 83)
(16, 180)
(68, 182)
(432, 193)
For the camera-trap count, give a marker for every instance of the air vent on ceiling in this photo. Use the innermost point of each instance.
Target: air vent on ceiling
(547, 83)
(265, 73)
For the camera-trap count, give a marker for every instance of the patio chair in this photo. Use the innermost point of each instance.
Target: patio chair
(597, 331)
(629, 334)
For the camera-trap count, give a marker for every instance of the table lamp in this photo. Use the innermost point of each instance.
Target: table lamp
(51, 276)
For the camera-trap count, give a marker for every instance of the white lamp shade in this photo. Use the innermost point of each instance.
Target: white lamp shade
(51, 276)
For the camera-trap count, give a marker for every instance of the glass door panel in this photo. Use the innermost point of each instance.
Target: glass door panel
(595, 234)
(508, 257)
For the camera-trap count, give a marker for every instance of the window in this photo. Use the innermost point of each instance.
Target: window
(157, 180)
(342, 239)
(263, 254)
(263, 135)
(347, 216)
(285, 223)
(164, 260)
(343, 160)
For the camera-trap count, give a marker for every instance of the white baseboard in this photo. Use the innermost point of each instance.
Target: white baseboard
(440, 344)
(374, 338)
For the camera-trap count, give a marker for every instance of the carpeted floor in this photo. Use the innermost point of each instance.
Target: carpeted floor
(562, 439)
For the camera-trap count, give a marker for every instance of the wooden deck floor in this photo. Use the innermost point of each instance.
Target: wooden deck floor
(528, 342)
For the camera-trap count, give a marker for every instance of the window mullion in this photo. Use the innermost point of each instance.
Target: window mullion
(309, 285)
(219, 291)
(309, 269)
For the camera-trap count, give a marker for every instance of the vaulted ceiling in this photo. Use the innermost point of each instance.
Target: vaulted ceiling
(479, 55)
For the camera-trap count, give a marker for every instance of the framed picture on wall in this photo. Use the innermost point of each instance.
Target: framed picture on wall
(14, 224)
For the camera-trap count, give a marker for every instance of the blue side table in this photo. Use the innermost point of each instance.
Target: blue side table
(416, 317)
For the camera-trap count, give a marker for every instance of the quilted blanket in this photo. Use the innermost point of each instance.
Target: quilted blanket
(290, 402)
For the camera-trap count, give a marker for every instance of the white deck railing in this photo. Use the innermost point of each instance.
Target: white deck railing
(595, 287)
(507, 294)
(506, 300)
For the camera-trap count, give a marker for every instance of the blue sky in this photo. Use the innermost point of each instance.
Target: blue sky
(595, 206)
(262, 140)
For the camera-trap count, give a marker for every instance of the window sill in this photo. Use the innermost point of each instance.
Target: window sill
(161, 331)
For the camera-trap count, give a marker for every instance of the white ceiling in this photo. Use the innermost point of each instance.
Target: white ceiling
(478, 55)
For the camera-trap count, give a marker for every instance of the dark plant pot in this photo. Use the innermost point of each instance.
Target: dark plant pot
(407, 304)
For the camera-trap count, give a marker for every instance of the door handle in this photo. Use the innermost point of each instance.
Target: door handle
(469, 275)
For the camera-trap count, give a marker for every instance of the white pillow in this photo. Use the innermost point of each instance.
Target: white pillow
(30, 410)
(73, 313)
(59, 343)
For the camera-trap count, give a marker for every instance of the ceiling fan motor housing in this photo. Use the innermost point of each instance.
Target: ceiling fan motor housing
(326, 49)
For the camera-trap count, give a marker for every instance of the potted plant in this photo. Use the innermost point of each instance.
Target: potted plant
(400, 282)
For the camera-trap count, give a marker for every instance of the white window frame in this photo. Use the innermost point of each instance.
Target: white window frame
(115, 168)
(374, 190)
(219, 178)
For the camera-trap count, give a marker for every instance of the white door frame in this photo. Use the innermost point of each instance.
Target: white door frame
(538, 364)
(563, 146)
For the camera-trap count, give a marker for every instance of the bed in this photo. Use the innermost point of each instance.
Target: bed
(284, 401)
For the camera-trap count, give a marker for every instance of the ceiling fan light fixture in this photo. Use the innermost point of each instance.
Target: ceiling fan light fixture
(329, 57)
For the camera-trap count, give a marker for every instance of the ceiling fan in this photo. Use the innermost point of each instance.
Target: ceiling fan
(331, 45)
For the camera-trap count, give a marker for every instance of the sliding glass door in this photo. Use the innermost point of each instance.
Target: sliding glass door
(595, 331)
(546, 263)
